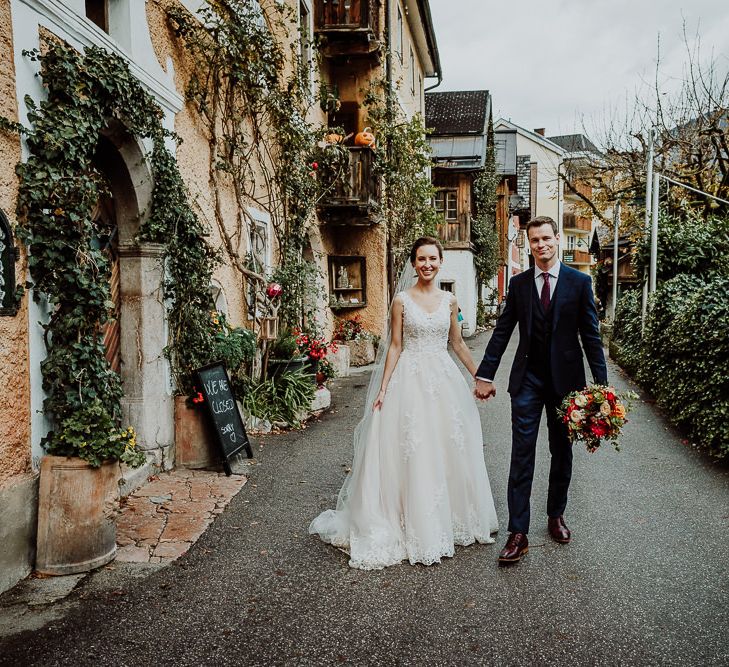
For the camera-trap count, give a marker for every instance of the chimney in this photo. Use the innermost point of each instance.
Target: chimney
(539, 131)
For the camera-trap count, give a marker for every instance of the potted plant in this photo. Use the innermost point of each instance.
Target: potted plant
(325, 371)
(284, 355)
(79, 489)
(315, 348)
(361, 343)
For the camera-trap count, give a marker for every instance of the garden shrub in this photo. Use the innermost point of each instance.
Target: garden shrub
(682, 357)
(627, 331)
(685, 356)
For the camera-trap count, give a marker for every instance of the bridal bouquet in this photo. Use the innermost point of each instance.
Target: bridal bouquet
(596, 413)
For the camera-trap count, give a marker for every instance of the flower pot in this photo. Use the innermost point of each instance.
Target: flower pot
(340, 359)
(320, 378)
(76, 508)
(361, 352)
(195, 444)
(277, 367)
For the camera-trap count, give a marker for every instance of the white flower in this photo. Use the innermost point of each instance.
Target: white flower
(580, 401)
(577, 415)
(605, 409)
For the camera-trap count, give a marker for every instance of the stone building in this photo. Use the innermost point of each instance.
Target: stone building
(356, 38)
(365, 44)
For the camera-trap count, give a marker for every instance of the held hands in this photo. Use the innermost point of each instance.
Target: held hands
(484, 390)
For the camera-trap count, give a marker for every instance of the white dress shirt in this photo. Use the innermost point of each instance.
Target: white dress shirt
(553, 277)
(539, 282)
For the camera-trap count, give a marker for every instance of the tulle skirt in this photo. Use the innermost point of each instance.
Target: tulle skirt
(418, 484)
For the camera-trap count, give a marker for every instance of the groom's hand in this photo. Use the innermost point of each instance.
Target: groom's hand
(484, 390)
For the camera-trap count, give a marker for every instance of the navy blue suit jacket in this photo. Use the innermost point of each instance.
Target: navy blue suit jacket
(574, 313)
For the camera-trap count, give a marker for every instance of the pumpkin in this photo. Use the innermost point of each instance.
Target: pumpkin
(365, 138)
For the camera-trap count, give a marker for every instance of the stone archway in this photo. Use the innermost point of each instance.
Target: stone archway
(142, 327)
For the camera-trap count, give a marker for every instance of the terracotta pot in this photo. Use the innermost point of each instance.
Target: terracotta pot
(76, 508)
(320, 378)
(195, 445)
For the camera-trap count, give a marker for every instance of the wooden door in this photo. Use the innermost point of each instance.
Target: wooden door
(105, 218)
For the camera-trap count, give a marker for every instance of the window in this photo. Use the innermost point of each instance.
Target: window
(450, 230)
(412, 71)
(8, 257)
(448, 286)
(305, 41)
(398, 34)
(446, 204)
(97, 11)
(571, 242)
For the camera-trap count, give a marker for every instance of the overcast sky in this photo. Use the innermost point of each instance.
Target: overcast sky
(553, 63)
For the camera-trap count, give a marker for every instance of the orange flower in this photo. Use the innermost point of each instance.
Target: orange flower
(619, 411)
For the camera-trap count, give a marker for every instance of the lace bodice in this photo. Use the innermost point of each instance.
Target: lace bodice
(423, 331)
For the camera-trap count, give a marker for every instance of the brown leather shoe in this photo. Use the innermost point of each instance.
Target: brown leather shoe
(516, 546)
(557, 529)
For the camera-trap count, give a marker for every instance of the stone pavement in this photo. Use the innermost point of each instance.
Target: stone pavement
(161, 520)
(645, 580)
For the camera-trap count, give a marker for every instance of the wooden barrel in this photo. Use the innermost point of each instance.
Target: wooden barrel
(77, 506)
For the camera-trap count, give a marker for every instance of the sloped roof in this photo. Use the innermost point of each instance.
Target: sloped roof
(575, 143)
(457, 112)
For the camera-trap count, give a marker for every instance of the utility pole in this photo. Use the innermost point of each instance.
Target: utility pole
(654, 232)
(616, 232)
(646, 226)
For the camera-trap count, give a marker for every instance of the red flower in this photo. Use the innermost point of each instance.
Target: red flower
(599, 429)
(198, 398)
(610, 396)
(315, 165)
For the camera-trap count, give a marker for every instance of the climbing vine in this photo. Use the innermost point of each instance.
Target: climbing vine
(484, 236)
(259, 141)
(59, 188)
(403, 160)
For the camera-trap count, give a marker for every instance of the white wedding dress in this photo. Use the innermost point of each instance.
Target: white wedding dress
(418, 484)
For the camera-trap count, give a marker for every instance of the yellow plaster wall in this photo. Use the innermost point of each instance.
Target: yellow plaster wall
(14, 364)
(193, 159)
(368, 242)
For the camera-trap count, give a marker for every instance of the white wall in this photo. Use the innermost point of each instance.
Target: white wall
(458, 267)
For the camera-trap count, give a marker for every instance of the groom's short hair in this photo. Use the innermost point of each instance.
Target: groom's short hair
(542, 220)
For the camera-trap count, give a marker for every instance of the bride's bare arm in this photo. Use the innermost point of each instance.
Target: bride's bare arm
(393, 352)
(456, 340)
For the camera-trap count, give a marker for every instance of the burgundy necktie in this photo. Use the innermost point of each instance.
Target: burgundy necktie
(544, 296)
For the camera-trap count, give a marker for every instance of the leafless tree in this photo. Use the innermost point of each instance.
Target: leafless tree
(691, 141)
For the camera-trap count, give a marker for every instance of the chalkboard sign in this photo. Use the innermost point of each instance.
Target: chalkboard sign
(223, 411)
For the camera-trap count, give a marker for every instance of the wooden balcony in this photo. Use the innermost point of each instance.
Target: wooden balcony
(354, 198)
(572, 222)
(348, 27)
(577, 257)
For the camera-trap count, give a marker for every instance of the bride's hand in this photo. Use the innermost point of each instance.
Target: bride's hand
(379, 400)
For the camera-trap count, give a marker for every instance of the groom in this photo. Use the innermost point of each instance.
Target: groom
(552, 303)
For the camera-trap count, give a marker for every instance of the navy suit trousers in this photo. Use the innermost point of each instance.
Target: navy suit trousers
(534, 395)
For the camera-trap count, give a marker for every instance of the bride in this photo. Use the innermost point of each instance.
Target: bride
(418, 484)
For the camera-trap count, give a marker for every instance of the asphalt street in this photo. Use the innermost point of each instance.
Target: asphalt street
(645, 580)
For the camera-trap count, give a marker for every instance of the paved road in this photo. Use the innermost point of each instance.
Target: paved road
(644, 582)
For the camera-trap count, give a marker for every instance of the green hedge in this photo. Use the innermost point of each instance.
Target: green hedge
(683, 357)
